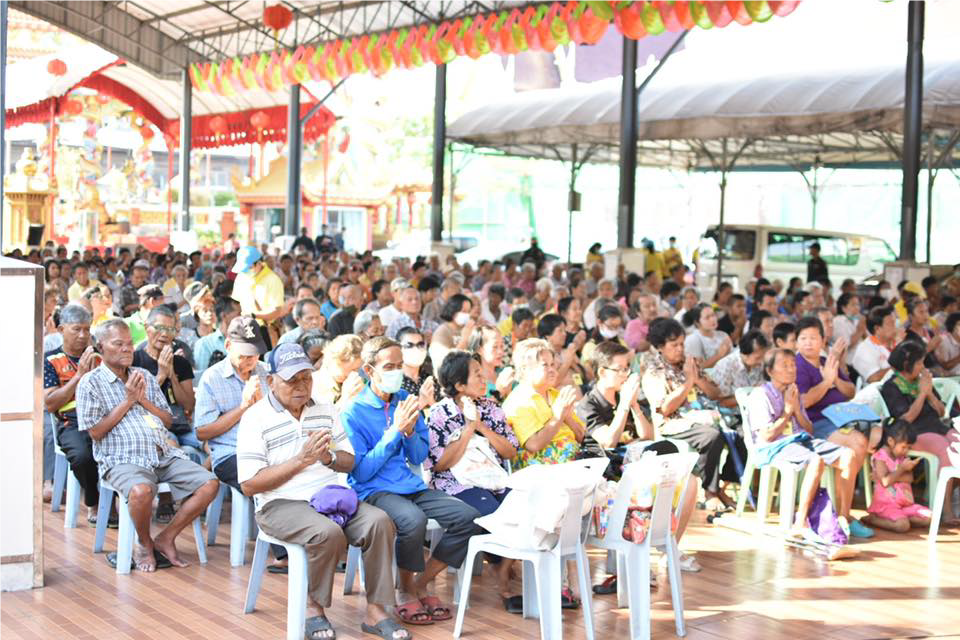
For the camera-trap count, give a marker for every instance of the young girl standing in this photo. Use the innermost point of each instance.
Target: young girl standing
(893, 507)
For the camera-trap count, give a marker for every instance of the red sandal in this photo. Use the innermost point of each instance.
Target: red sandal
(409, 611)
(433, 604)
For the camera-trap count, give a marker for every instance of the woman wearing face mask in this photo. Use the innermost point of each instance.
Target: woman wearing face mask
(849, 323)
(883, 295)
(455, 331)
(610, 326)
(417, 371)
(705, 343)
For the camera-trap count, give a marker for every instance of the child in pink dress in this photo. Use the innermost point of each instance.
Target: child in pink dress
(893, 507)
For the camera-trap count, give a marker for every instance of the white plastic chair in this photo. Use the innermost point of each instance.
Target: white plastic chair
(946, 474)
(789, 473)
(296, 582)
(127, 533)
(633, 559)
(541, 595)
(243, 525)
(63, 476)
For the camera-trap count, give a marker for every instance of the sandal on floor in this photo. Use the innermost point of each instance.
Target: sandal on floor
(433, 604)
(408, 612)
(315, 624)
(513, 604)
(606, 587)
(567, 601)
(165, 513)
(385, 629)
(274, 568)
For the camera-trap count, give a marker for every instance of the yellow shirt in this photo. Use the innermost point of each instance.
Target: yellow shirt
(671, 258)
(75, 292)
(527, 413)
(259, 294)
(653, 261)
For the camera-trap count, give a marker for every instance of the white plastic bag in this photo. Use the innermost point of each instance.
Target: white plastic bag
(480, 467)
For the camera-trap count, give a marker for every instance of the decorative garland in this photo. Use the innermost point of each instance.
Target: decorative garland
(540, 28)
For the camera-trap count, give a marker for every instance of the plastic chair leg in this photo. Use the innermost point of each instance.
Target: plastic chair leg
(637, 576)
(788, 498)
(198, 535)
(354, 563)
(213, 514)
(623, 586)
(60, 468)
(611, 566)
(829, 481)
(531, 608)
(745, 481)
(73, 501)
(586, 591)
(768, 478)
(296, 592)
(465, 592)
(239, 524)
(103, 514)
(867, 482)
(125, 537)
(676, 585)
(937, 506)
(548, 577)
(257, 567)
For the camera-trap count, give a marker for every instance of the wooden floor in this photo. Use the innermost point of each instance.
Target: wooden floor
(751, 587)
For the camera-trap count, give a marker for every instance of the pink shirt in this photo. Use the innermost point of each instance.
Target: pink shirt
(635, 333)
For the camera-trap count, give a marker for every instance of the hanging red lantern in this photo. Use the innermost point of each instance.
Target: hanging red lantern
(260, 120)
(57, 67)
(277, 17)
(345, 143)
(73, 107)
(218, 125)
(146, 132)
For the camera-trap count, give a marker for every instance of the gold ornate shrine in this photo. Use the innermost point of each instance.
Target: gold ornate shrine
(27, 200)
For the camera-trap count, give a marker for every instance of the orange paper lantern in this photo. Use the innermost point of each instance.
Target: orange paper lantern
(57, 67)
(218, 125)
(277, 17)
(260, 120)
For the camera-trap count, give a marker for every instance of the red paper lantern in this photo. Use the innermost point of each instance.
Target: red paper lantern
(345, 143)
(218, 124)
(277, 17)
(146, 133)
(57, 67)
(73, 107)
(260, 120)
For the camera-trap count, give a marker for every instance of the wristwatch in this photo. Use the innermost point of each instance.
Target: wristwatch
(333, 459)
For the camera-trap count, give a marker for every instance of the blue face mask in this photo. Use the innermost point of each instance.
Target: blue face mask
(391, 381)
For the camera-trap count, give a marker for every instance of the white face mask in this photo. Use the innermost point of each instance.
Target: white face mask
(887, 294)
(461, 319)
(414, 357)
(608, 333)
(391, 381)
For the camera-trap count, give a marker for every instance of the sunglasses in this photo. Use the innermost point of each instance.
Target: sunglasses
(413, 345)
(163, 329)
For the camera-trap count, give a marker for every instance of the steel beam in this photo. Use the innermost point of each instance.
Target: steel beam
(628, 145)
(439, 140)
(291, 218)
(912, 112)
(186, 143)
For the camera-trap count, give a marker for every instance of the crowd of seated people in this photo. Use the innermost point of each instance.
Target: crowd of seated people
(289, 373)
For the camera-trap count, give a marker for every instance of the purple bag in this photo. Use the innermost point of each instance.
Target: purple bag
(823, 519)
(337, 502)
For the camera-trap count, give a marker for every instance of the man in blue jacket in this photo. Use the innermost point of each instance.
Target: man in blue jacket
(388, 434)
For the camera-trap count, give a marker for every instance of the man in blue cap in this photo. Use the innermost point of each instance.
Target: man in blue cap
(260, 292)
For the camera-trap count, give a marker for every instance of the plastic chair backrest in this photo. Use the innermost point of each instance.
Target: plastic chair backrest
(666, 473)
(571, 523)
(949, 391)
(743, 396)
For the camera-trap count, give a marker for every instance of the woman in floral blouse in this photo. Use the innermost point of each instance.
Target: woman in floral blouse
(461, 379)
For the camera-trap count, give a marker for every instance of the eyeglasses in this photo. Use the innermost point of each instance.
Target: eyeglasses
(627, 370)
(163, 329)
(414, 345)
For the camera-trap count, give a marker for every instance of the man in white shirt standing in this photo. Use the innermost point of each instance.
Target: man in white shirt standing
(870, 358)
(289, 451)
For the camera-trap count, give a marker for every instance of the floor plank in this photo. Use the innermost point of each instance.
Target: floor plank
(751, 587)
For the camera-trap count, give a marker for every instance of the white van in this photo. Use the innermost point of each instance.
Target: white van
(783, 253)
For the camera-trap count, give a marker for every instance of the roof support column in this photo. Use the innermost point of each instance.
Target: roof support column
(291, 218)
(3, 103)
(628, 145)
(913, 104)
(439, 140)
(186, 144)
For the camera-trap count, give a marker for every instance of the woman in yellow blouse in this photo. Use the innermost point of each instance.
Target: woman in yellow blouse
(542, 417)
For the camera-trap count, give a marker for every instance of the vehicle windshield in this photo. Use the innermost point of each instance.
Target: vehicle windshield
(739, 244)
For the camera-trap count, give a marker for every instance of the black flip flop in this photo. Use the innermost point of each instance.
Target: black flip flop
(165, 513)
(606, 587)
(277, 569)
(162, 561)
(513, 604)
(318, 623)
(567, 601)
(385, 629)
